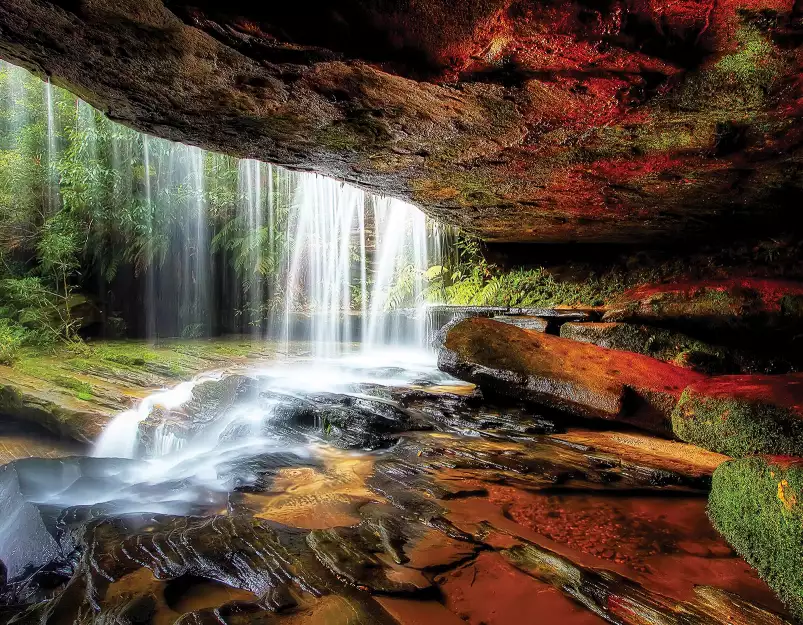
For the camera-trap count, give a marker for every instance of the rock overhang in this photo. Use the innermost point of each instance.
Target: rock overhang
(558, 121)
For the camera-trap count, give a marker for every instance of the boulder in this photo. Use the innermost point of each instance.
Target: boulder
(743, 414)
(667, 345)
(761, 314)
(757, 505)
(579, 378)
(25, 544)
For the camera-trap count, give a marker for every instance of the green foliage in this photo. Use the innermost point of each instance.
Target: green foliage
(756, 504)
(467, 279)
(37, 314)
(82, 197)
(12, 338)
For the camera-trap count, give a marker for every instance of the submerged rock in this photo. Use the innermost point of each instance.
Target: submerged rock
(742, 415)
(757, 505)
(579, 378)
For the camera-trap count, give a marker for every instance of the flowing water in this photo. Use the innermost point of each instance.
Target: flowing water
(332, 274)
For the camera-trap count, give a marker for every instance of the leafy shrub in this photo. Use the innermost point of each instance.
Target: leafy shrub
(11, 340)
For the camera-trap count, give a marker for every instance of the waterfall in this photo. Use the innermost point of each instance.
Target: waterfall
(52, 155)
(319, 274)
(184, 243)
(250, 191)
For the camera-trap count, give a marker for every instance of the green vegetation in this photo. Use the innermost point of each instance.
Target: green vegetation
(755, 503)
(736, 426)
(467, 279)
(84, 200)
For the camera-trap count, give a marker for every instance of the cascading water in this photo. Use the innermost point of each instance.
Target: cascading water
(331, 267)
(250, 188)
(334, 274)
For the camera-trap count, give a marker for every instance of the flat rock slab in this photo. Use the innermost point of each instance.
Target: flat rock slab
(19, 441)
(74, 394)
(667, 345)
(579, 378)
(757, 504)
(650, 451)
(527, 322)
(743, 414)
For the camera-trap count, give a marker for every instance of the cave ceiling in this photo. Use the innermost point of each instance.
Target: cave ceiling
(604, 121)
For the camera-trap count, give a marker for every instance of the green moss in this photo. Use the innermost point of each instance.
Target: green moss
(736, 88)
(735, 426)
(756, 505)
(357, 133)
(792, 305)
(83, 389)
(753, 61)
(659, 343)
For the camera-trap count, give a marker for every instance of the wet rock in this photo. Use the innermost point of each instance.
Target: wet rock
(757, 505)
(73, 418)
(666, 345)
(25, 544)
(346, 421)
(212, 398)
(742, 415)
(24, 440)
(618, 599)
(209, 400)
(689, 461)
(579, 378)
(470, 413)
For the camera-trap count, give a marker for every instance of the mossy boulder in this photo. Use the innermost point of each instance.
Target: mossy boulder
(757, 505)
(758, 315)
(743, 414)
(667, 345)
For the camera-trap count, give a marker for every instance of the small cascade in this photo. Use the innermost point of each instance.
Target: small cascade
(320, 277)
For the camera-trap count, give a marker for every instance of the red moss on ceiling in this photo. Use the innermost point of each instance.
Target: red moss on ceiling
(582, 120)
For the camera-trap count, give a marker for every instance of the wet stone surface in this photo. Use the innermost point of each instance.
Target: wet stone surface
(377, 505)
